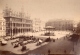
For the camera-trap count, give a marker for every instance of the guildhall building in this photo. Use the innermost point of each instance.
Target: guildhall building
(16, 22)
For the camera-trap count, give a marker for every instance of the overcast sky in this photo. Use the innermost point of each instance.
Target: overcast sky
(46, 9)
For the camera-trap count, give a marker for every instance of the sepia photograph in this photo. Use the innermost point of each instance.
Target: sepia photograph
(39, 27)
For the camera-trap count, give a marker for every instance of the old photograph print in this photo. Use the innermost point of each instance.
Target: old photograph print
(39, 27)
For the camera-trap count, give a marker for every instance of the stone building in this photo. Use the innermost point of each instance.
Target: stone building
(16, 22)
(2, 26)
(59, 24)
(36, 24)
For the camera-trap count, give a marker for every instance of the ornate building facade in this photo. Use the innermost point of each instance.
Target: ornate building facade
(61, 24)
(2, 26)
(16, 22)
(36, 24)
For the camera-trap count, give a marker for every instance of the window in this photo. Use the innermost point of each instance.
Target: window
(0, 28)
(0, 23)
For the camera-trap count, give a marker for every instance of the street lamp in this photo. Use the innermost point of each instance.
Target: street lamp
(74, 32)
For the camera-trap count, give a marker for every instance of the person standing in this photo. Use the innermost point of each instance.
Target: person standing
(49, 51)
(65, 51)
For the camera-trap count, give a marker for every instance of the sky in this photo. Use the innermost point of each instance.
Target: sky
(46, 9)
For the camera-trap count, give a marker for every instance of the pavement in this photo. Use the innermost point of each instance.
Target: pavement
(76, 48)
(56, 47)
(57, 34)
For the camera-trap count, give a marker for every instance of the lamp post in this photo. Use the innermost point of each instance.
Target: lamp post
(74, 32)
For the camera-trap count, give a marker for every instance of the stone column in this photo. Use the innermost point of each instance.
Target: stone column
(12, 30)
